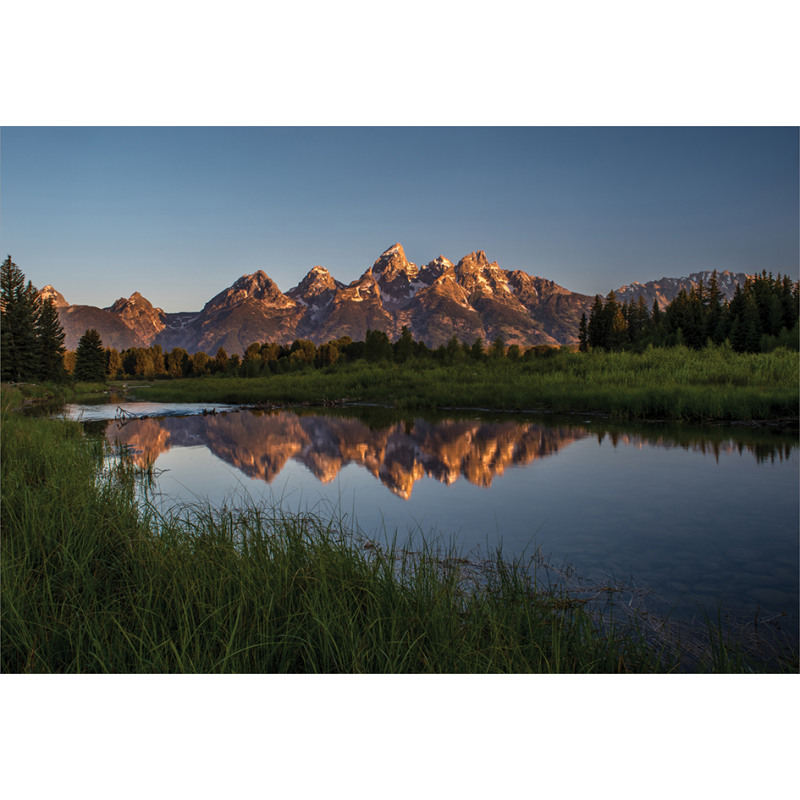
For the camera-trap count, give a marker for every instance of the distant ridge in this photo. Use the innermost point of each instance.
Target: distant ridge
(665, 290)
(469, 299)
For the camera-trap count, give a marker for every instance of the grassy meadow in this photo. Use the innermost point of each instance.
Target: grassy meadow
(96, 581)
(713, 384)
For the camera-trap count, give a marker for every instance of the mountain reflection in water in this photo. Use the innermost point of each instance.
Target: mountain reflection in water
(260, 444)
(399, 454)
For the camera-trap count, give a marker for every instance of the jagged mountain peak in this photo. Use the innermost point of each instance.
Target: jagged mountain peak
(395, 248)
(257, 291)
(51, 293)
(475, 260)
(392, 263)
(435, 269)
(477, 275)
(136, 303)
(254, 282)
(318, 281)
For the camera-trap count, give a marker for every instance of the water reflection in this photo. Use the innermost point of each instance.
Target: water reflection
(700, 516)
(400, 453)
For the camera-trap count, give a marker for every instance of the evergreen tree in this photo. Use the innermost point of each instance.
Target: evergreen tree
(722, 329)
(638, 321)
(476, 351)
(596, 334)
(19, 310)
(714, 308)
(90, 358)
(657, 315)
(618, 333)
(613, 323)
(220, 363)
(583, 334)
(50, 342)
(455, 352)
(789, 301)
(498, 349)
(404, 347)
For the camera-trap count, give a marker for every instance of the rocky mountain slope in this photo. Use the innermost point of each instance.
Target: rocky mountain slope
(472, 298)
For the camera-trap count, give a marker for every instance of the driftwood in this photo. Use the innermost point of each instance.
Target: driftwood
(124, 417)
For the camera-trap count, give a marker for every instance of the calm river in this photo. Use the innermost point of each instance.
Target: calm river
(702, 517)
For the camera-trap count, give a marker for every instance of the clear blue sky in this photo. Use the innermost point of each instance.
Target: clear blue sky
(181, 213)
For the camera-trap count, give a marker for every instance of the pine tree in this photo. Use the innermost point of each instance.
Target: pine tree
(497, 350)
(476, 351)
(789, 296)
(583, 334)
(455, 351)
(50, 343)
(90, 359)
(713, 310)
(641, 320)
(19, 310)
(613, 322)
(404, 347)
(220, 363)
(595, 330)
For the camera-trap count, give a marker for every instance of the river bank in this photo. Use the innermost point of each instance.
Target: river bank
(712, 385)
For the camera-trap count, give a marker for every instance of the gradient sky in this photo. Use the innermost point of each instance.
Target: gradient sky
(180, 213)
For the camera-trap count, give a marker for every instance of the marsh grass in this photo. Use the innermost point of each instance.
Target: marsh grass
(48, 394)
(670, 384)
(95, 580)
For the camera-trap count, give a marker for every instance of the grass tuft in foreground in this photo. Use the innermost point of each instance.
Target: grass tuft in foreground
(95, 582)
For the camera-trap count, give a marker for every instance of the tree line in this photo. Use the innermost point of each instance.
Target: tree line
(762, 315)
(261, 359)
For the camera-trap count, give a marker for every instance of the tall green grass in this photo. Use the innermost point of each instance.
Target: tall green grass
(96, 581)
(671, 384)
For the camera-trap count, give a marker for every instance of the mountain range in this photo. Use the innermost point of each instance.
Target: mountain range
(471, 298)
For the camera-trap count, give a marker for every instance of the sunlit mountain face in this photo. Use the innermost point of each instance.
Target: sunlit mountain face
(398, 455)
(472, 298)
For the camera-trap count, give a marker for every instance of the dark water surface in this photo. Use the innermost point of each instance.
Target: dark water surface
(703, 517)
